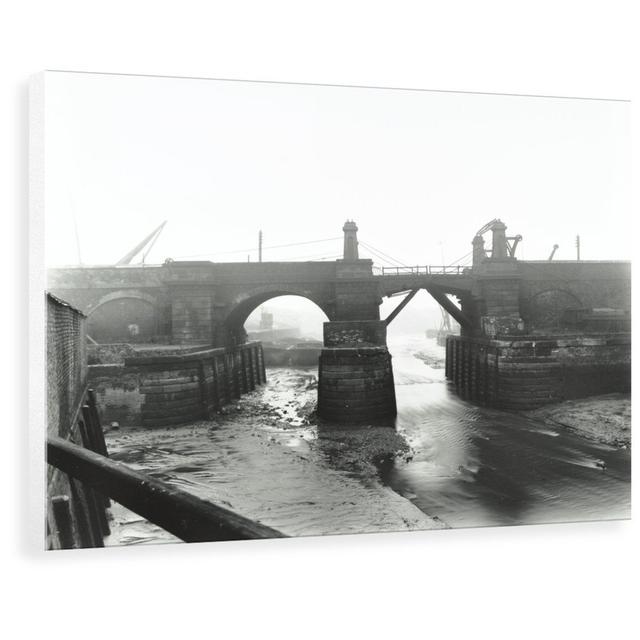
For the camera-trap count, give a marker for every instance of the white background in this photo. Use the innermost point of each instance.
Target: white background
(571, 581)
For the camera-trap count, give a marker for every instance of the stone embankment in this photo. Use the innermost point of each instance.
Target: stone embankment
(155, 389)
(528, 372)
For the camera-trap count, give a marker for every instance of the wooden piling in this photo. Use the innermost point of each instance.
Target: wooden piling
(88, 532)
(99, 433)
(64, 521)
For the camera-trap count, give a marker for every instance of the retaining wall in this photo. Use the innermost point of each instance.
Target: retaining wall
(160, 390)
(533, 371)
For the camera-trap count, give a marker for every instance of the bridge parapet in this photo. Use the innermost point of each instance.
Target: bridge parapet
(452, 269)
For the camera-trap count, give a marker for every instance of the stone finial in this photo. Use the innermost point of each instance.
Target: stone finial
(350, 253)
(479, 253)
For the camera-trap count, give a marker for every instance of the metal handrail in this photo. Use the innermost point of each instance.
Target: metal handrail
(184, 515)
(424, 270)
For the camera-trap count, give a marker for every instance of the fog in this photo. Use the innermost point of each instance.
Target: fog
(419, 171)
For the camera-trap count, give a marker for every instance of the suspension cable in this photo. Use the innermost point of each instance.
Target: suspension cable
(381, 253)
(376, 256)
(460, 260)
(317, 256)
(275, 246)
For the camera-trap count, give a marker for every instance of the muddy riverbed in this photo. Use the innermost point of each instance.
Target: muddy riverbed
(266, 458)
(446, 462)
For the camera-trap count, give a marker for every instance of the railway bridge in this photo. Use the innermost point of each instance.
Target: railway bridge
(499, 301)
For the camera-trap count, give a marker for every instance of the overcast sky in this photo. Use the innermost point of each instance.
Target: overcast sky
(419, 171)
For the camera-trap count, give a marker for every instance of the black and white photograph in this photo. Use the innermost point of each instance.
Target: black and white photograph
(292, 309)
(317, 319)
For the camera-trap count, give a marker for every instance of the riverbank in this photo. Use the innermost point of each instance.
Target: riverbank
(605, 418)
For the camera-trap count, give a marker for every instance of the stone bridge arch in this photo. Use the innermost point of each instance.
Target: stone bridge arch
(119, 295)
(546, 309)
(124, 315)
(246, 303)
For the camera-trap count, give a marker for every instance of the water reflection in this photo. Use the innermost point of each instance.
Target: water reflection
(476, 466)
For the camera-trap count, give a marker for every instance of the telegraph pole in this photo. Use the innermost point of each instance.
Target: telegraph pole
(578, 246)
(260, 245)
(75, 227)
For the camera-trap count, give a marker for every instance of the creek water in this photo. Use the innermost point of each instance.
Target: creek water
(467, 466)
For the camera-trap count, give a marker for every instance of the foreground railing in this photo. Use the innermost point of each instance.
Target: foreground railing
(184, 515)
(427, 270)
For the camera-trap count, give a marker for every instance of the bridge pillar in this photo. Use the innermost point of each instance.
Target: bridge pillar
(191, 315)
(190, 291)
(356, 292)
(355, 381)
(497, 291)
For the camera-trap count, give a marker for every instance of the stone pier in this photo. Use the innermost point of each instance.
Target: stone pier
(527, 372)
(355, 381)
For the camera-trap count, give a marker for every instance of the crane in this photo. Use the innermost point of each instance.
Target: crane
(511, 241)
(151, 238)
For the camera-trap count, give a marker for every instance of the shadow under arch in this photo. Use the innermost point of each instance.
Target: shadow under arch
(120, 295)
(125, 315)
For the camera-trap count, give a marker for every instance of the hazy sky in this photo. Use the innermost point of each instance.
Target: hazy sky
(420, 172)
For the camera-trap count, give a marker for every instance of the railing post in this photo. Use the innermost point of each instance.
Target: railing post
(179, 512)
(89, 536)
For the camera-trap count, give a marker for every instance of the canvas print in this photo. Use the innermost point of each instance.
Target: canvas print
(280, 310)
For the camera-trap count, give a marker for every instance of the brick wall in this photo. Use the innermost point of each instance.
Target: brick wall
(72, 515)
(66, 365)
